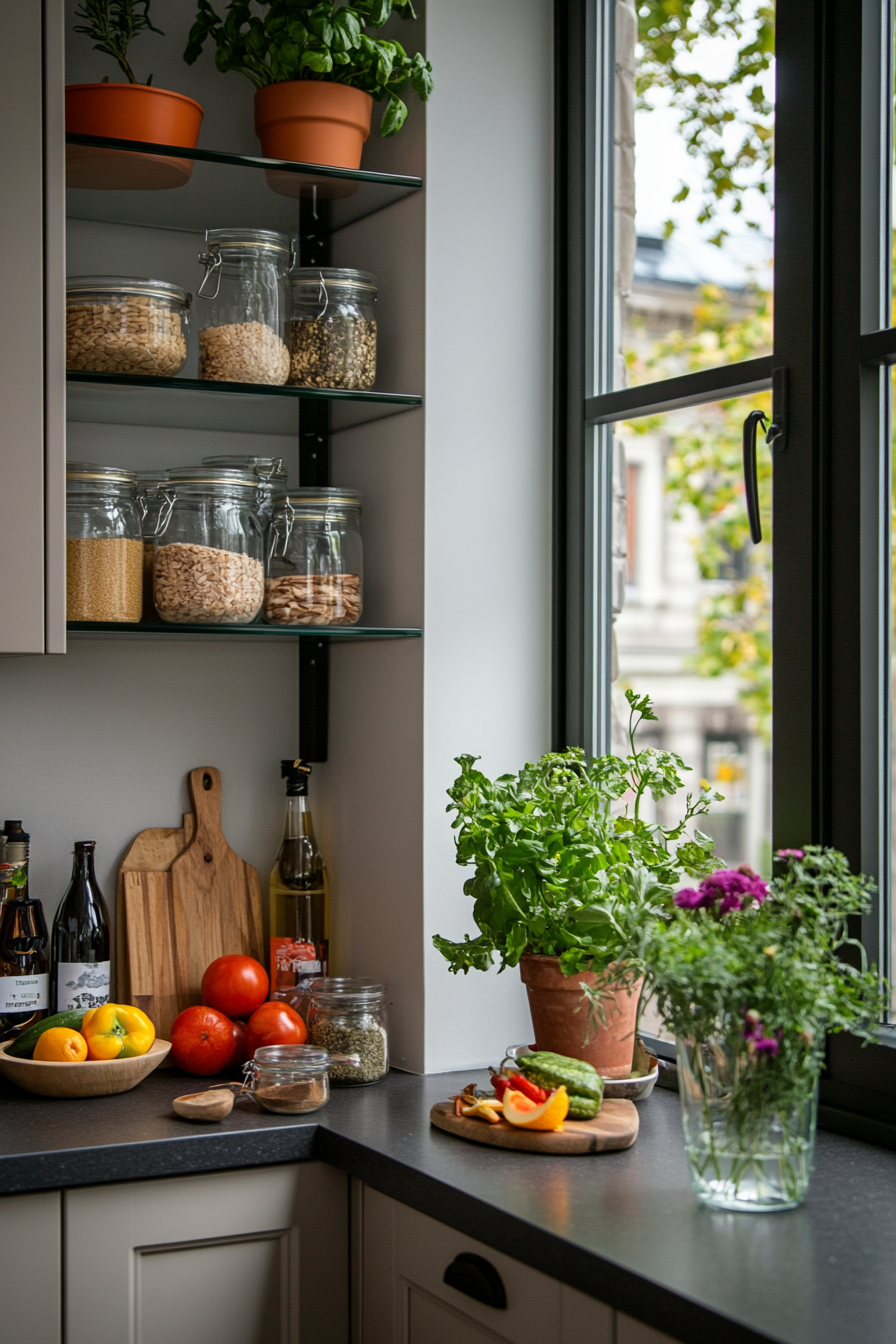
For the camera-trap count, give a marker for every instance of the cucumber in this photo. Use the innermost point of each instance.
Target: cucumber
(549, 1070)
(582, 1108)
(23, 1046)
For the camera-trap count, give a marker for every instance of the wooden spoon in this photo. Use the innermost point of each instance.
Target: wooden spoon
(204, 1106)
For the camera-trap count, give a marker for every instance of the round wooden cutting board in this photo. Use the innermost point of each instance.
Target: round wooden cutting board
(615, 1126)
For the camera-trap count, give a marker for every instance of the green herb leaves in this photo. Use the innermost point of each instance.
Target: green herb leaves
(320, 41)
(113, 24)
(564, 864)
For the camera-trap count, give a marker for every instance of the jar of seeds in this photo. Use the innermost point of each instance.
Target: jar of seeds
(104, 545)
(116, 324)
(242, 333)
(314, 558)
(332, 332)
(348, 1017)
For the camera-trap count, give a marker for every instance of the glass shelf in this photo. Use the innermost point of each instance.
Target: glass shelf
(162, 186)
(341, 634)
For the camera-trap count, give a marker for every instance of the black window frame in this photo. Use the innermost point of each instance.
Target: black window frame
(830, 382)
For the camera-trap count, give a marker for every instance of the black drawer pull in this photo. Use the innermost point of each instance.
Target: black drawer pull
(473, 1275)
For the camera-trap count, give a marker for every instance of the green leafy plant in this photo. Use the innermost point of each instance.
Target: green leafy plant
(113, 25)
(562, 866)
(321, 41)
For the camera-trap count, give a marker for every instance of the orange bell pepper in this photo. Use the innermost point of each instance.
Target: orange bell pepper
(116, 1031)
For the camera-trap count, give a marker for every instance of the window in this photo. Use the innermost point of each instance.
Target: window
(700, 280)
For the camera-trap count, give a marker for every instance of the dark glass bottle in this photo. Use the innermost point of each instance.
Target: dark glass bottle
(81, 976)
(298, 897)
(23, 940)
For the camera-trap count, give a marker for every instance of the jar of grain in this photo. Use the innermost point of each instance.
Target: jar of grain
(242, 337)
(155, 504)
(314, 558)
(115, 324)
(271, 476)
(104, 545)
(332, 331)
(207, 568)
(348, 1017)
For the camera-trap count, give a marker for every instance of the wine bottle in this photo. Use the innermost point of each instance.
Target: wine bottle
(81, 975)
(299, 897)
(23, 939)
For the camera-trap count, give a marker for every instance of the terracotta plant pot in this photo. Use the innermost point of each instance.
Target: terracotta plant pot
(129, 112)
(553, 997)
(313, 121)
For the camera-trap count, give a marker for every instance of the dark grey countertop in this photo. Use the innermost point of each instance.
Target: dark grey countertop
(624, 1227)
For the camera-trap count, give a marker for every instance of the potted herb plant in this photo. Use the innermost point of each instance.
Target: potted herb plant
(750, 976)
(131, 110)
(317, 70)
(566, 873)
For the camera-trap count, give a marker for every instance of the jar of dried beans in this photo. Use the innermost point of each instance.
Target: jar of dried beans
(114, 324)
(207, 568)
(332, 332)
(104, 545)
(271, 479)
(314, 558)
(242, 338)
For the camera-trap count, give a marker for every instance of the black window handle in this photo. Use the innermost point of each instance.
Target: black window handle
(473, 1275)
(751, 482)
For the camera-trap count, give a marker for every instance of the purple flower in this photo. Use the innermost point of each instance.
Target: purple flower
(731, 888)
(789, 854)
(765, 1045)
(690, 899)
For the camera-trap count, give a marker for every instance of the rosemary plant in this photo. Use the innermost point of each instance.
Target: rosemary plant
(113, 25)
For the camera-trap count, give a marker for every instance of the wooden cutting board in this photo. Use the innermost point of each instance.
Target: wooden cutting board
(615, 1126)
(186, 898)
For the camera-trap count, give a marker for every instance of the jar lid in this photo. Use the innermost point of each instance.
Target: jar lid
(337, 989)
(149, 479)
(208, 475)
(124, 284)
(91, 471)
(266, 468)
(266, 239)
(295, 1058)
(338, 277)
(320, 496)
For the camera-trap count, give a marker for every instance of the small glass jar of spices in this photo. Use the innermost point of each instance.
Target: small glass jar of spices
(207, 568)
(314, 567)
(288, 1079)
(116, 324)
(271, 475)
(348, 1017)
(243, 339)
(104, 544)
(332, 332)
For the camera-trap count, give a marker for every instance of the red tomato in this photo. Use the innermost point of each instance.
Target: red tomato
(275, 1024)
(240, 1049)
(202, 1040)
(235, 984)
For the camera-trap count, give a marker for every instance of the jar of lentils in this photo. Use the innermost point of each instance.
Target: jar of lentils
(314, 568)
(114, 324)
(104, 545)
(271, 477)
(207, 567)
(332, 332)
(242, 338)
(348, 1017)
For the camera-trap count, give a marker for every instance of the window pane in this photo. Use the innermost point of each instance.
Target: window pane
(693, 187)
(694, 629)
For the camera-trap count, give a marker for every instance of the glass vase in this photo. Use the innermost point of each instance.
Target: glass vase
(749, 1140)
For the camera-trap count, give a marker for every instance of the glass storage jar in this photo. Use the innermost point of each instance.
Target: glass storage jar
(116, 324)
(332, 330)
(348, 1017)
(271, 476)
(314, 573)
(154, 505)
(243, 339)
(207, 568)
(288, 1079)
(104, 544)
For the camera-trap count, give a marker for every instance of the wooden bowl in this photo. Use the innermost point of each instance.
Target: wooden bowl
(92, 1078)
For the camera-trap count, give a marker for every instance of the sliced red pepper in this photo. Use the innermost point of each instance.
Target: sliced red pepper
(500, 1084)
(530, 1090)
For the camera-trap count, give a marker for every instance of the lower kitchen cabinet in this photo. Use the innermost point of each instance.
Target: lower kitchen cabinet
(242, 1257)
(31, 1263)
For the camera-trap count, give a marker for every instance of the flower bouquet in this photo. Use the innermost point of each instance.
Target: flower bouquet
(750, 976)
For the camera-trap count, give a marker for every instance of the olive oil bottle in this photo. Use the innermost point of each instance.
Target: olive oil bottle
(299, 897)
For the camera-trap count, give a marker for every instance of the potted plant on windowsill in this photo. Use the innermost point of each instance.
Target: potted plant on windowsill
(751, 976)
(131, 110)
(317, 71)
(566, 873)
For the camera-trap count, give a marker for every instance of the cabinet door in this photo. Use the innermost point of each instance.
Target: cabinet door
(629, 1331)
(31, 1261)
(242, 1257)
(405, 1299)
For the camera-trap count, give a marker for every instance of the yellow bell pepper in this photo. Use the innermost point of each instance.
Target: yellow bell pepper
(116, 1031)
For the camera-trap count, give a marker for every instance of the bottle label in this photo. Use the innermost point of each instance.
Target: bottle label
(81, 985)
(23, 993)
(14, 875)
(293, 964)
